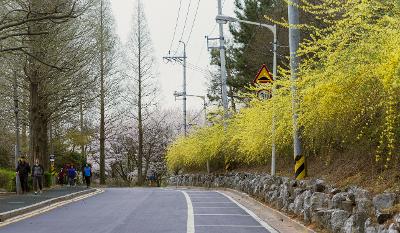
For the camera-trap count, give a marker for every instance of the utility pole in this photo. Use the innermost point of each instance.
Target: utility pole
(275, 72)
(17, 144)
(184, 94)
(223, 63)
(184, 88)
(294, 42)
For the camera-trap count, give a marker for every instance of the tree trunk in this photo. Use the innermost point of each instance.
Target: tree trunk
(39, 121)
(82, 130)
(102, 114)
(140, 120)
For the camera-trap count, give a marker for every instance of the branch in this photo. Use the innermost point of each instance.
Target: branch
(41, 61)
(22, 34)
(12, 49)
(47, 17)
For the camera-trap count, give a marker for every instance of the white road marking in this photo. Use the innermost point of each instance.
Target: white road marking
(219, 207)
(259, 220)
(47, 208)
(223, 215)
(213, 202)
(190, 218)
(241, 226)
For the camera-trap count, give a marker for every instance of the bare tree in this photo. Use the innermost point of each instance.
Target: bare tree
(141, 67)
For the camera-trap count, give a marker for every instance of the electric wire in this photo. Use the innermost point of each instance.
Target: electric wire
(185, 24)
(176, 25)
(194, 21)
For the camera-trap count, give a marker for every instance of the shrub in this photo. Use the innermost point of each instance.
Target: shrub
(7, 180)
(47, 179)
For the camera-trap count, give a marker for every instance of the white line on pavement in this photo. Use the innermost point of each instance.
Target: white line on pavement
(241, 226)
(213, 202)
(259, 220)
(190, 219)
(219, 207)
(223, 215)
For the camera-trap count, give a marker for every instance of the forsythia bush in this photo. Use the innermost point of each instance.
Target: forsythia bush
(349, 94)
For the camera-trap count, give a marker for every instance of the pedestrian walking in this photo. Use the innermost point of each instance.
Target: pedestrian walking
(23, 170)
(71, 175)
(61, 176)
(37, 177)
(87, 173)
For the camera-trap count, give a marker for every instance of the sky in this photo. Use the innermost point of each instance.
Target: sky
(162, 17)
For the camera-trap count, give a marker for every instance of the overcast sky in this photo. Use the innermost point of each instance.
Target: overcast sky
(162, 16)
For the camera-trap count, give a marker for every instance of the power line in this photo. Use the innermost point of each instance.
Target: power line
(194, 21)
(176, 24)
(186, 18)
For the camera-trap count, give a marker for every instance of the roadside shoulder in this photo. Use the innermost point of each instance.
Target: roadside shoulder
(276, 219)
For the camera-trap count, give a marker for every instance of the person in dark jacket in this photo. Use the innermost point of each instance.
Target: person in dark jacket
(23, 170)
(37, 175)
(71, 175)
(87, 174)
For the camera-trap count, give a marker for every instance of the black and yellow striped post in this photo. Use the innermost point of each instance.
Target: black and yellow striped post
(300, 167)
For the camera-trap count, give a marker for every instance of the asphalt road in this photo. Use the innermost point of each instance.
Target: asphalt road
(126, 210)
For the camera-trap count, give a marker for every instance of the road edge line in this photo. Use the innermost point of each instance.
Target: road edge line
(251, 213)
(190, 219)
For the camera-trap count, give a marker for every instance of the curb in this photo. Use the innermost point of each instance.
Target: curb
(13, 213)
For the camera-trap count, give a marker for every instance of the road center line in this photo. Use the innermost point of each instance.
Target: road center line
(190, 218)
(259, 220)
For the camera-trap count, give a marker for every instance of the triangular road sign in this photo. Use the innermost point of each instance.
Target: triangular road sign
(263, 76)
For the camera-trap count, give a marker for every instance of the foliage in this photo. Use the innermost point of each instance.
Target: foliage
(7, 180)
(349, 94)
(194, 151)
(47, 179)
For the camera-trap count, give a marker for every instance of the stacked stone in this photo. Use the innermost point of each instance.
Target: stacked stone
(352, 210)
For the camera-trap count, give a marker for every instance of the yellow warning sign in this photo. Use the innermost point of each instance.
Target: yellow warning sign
(263, 76)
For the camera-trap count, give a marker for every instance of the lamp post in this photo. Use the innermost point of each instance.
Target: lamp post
(272, 28)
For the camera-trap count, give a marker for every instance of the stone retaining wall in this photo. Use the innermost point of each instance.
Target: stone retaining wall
(353, 210)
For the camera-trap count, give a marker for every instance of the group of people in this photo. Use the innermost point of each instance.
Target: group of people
(37, 171)
(69, 174)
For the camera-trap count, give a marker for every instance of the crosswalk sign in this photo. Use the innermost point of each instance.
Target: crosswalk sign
(263, 76)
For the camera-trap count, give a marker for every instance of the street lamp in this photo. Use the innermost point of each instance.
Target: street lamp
(272, 28)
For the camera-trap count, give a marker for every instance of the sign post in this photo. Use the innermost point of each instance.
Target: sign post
(264, 77)
(53, 169)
